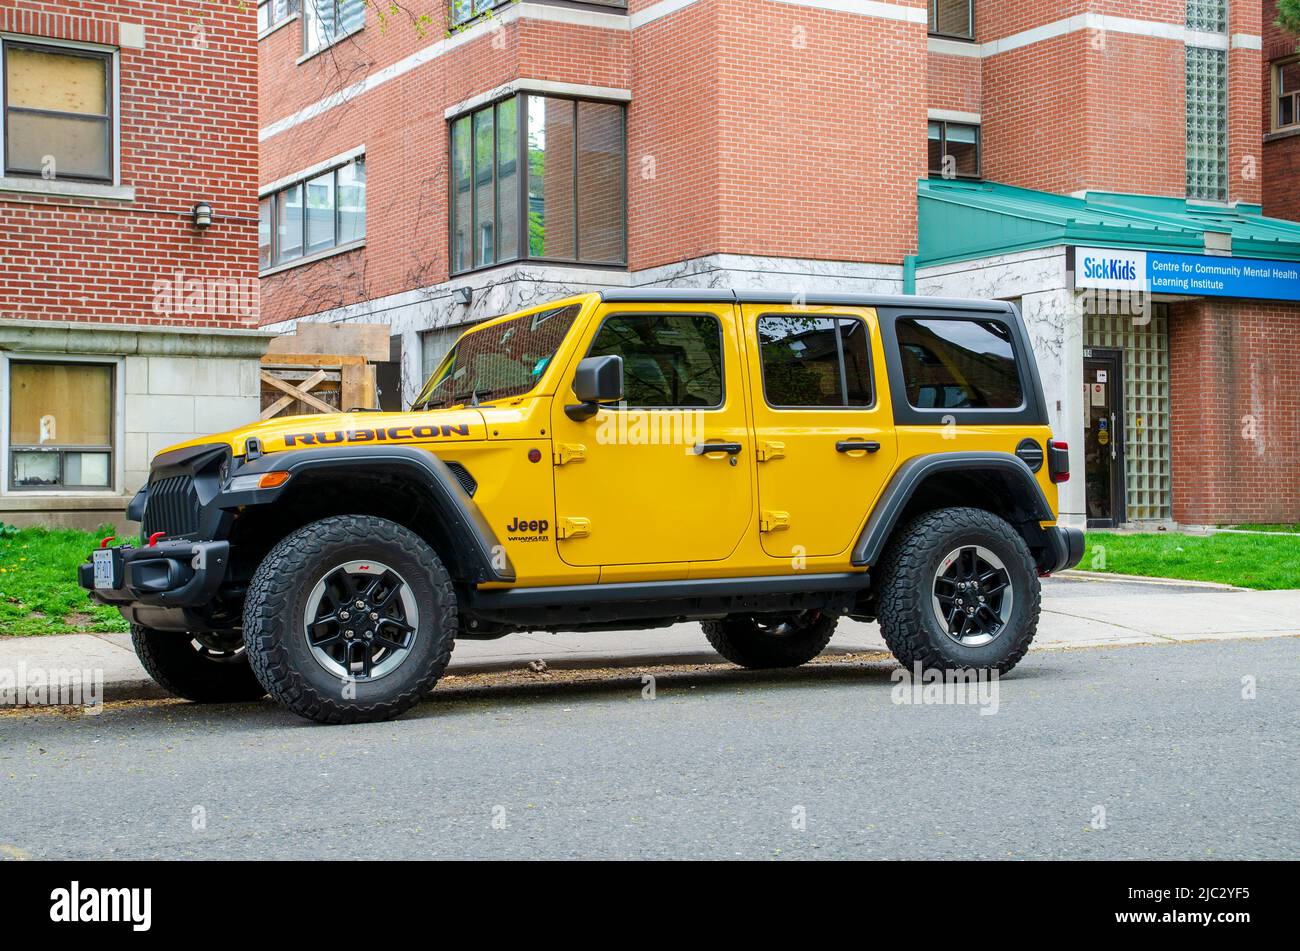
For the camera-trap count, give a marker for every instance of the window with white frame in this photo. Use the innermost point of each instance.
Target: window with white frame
(58, 111)
(60, 425)
(325, 22)
(274, 12)
(317, 214)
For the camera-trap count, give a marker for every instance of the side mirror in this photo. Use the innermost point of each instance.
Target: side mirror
(598, 380)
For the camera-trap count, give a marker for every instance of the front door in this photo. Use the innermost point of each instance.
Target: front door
(638, 484)
(1103, 414)
(823, 422)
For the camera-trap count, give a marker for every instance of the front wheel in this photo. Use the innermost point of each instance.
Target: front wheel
(351, 619)
(958, 591)
(761, 642)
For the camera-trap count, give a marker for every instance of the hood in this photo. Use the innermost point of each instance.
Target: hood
(352, 429)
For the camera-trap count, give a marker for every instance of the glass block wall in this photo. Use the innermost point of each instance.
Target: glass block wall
(1207, 124)
(1209, 16)
(1148, 481)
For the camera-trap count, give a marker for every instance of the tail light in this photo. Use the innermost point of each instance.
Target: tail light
(1058, 460)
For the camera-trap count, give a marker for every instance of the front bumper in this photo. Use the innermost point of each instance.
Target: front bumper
(1065, 549)
(171, 574)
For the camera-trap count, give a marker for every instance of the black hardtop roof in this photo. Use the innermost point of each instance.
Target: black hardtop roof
(686, 295)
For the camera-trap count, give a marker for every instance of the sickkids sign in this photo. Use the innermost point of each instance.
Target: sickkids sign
(1191, 275)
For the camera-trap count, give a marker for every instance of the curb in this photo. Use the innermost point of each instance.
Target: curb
(1143, 579)
(145, 689)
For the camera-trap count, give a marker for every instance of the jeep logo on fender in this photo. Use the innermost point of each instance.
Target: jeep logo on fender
(527, 530)
(393, 434)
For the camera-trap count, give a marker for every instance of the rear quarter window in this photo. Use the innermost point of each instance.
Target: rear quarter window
(959, 364)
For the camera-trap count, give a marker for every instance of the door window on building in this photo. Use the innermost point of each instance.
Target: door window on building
(58, 112)
(1103, 443)
(954, 150)
(1141, 391)
(60, 425)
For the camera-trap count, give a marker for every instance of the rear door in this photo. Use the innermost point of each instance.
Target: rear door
(638, 484)
(823, 424)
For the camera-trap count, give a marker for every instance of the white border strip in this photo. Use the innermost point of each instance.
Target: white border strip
(1100, 23)
(544, 86)
(312, 171)
(951, 115)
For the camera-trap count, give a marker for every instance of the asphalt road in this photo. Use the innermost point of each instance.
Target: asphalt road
(720, 764)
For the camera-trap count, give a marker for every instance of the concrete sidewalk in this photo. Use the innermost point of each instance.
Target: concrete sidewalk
(1077, 612)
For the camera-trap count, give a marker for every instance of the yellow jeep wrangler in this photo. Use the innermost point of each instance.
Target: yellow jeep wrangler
(762, 463)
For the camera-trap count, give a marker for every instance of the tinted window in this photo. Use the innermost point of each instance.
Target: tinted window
(667, 360)
(815, 361)
(959, 364)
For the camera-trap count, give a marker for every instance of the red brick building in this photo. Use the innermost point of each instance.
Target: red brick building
(428, 174)
(128, 248)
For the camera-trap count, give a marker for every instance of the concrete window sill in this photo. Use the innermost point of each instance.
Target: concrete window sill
(277, 27)
(313, 258)
(66, 189)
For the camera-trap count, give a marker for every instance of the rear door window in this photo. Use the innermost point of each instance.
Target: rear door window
(959, 364)
(815, 362)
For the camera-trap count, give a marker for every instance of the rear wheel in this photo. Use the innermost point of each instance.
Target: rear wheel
(959, 590)
(350, 620)
(203, 668)
(763, 642)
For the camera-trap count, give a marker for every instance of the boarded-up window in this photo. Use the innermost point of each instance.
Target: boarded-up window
(60, 424)
(58, 112)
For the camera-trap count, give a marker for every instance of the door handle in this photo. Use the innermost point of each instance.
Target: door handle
(708, 448)
(856, 445)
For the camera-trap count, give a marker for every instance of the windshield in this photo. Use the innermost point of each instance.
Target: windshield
(506, 359)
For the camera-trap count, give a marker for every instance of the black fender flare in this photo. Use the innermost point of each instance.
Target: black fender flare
(478, 547)
(915, 471)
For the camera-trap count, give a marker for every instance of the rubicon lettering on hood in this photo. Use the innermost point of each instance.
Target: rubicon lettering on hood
(392, 434)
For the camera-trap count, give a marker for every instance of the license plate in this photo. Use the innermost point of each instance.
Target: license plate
(103, 561)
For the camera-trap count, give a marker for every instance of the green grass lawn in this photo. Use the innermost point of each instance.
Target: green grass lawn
(1248, 561)
(39, 593)
(1293, 529)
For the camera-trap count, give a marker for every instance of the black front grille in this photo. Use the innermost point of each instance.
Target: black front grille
(463, 477)
(173, 507)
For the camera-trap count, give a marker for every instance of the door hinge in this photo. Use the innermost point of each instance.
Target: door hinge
(767, 451)
(569, 452)
(573, 528)
(773, 521)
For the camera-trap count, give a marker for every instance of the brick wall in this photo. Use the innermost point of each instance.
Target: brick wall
(1281, 164)
(402, 124)
(188, 118)
(1235, 411)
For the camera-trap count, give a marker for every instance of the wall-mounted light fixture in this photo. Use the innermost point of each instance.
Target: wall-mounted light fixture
(202, 213)
(463, 296)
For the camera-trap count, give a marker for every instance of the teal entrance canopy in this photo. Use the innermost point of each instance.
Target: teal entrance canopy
(959, 221)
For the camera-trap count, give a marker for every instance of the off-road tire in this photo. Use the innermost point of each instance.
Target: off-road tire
(906, 577)
(741, 639)
(274, 620)
(181, 668)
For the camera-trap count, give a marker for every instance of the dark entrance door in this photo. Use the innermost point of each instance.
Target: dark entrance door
(1103, 414)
